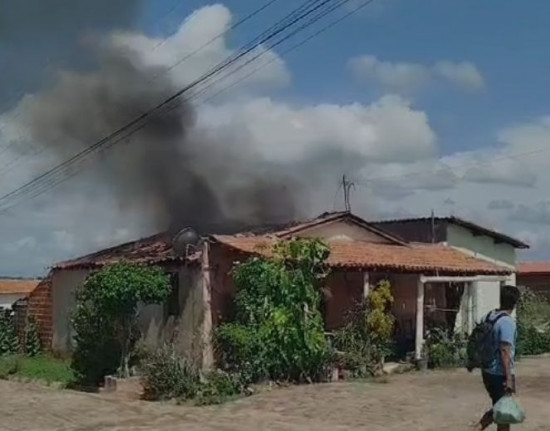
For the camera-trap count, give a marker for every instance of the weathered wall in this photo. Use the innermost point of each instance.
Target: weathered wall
(156, 326)
(343, 231)
(64, 285)
(343, 290)
(539, 283)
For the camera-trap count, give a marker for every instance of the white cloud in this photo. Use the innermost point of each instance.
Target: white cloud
(464, 74)
(401, 77)
(406, 77)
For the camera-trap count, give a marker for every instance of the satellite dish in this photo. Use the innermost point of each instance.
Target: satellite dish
(185, 241)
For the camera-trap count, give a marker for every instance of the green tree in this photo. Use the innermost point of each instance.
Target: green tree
(278, 331)
(105, 320)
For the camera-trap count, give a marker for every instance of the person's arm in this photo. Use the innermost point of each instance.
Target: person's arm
(506, 358)
(506, 339)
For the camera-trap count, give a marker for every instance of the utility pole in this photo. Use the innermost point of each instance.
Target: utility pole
(347, 186)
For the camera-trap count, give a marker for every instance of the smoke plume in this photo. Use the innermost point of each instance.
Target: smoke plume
(169, 171)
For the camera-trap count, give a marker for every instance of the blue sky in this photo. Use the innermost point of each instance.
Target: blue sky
(426, 104)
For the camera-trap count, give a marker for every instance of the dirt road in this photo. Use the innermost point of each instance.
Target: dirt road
(436, 401)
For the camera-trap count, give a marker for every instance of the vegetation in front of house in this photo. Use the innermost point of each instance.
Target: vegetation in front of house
(446, 349)
(533, 319)
(166, 375)
(278, 331)
(37, 368)
(363, 343)
(105, 320)
(32, 345)
(9, 342)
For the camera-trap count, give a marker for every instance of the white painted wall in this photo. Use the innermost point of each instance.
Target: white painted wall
(486, 294)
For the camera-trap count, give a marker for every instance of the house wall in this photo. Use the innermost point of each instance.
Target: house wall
(39, 307)
(184, 331)
(539, 283)
(459, 236)
(7, 299)
(417, 230)
(343, 290)
(486, 294)
(344, 231)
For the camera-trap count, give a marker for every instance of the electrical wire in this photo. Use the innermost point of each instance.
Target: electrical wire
(48, 179)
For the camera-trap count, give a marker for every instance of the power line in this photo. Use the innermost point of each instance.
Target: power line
(43, 182)
(237, 24)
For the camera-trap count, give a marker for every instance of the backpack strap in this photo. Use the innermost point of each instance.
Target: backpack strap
(495, 319)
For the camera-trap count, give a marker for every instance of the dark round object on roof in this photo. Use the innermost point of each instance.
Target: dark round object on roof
(185, 241)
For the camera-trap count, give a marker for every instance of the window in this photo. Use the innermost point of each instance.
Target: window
(172, 306)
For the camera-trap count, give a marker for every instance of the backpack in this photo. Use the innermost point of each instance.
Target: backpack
(480, 349)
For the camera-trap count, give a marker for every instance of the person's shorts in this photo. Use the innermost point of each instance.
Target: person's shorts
(495, 386)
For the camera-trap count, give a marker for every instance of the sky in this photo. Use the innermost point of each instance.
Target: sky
(426, 105)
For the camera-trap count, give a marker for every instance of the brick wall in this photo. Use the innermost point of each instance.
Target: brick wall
(39, 307)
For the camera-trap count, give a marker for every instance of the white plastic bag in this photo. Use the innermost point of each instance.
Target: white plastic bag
(507, 411)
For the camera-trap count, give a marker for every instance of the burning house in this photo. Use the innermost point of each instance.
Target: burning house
(361, 255)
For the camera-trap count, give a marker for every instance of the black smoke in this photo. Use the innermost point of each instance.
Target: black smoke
(167, 170)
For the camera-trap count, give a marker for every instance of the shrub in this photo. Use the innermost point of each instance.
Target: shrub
(365, 340)
(32, 339)
(444, 350)
(278, 332)
(167, 376)
(533, 317)
(9, 342)
(105, 320)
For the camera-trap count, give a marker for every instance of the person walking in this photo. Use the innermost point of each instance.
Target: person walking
(499, 374)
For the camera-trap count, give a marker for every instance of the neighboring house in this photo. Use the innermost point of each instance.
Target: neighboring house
(535, 276)
(12, 290)
(361, 255)
(480, 242)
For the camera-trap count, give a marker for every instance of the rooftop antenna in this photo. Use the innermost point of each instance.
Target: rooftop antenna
(433, 226)
(347, 186)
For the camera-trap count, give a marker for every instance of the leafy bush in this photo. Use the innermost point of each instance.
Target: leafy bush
(9, 342)
(533, 317)
(105, 320)
(32, 339)
(445, 350)
(278, 332)
(39, 368)
(168, 376)
(363, 343)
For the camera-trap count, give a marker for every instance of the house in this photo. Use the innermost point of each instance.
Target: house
(11, 290)
(361, 255)
(471, 238)
(535, 276)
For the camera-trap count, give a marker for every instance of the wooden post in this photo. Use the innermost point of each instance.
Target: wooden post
(419, 340)
(207, 348)
(366, 285)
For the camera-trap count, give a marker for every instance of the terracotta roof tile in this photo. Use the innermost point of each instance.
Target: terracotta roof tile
(153, 249)
(358, 254)
(525, 268)
(9, 286)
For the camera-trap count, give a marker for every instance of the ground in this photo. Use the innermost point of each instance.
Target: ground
(433, 401)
